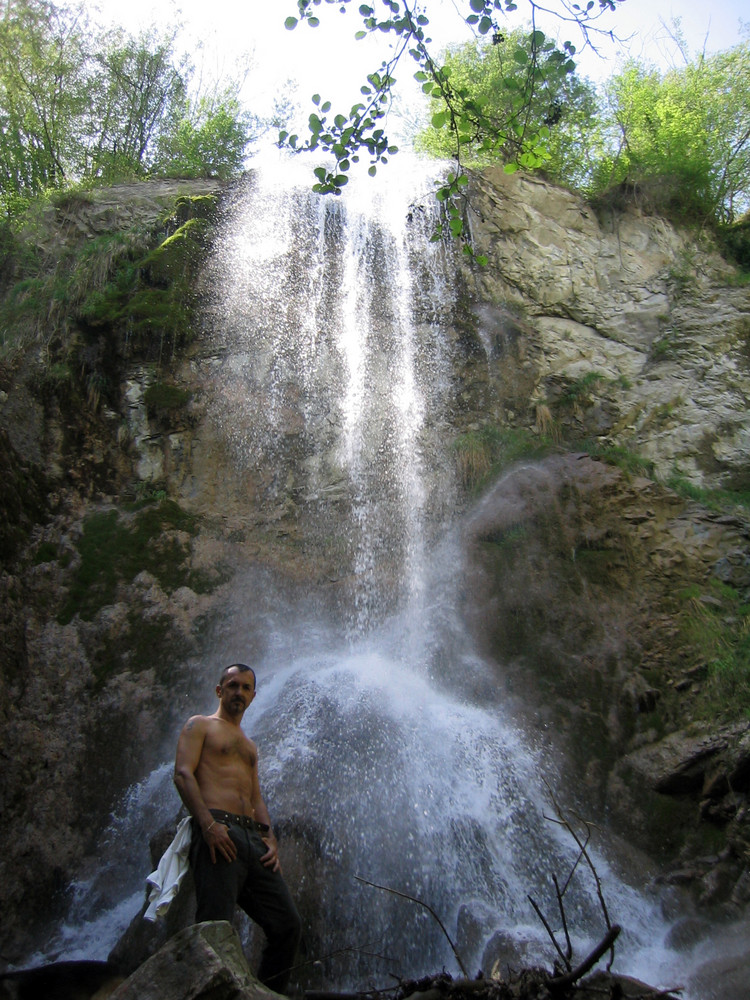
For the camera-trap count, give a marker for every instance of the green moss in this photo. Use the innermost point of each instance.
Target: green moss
(145, 643)
(46, 552)
(196, 206)
(115, 548)
(178, 253)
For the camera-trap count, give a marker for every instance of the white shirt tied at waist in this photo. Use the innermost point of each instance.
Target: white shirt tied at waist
(164, 883)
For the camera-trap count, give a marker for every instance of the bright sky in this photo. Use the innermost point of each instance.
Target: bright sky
(329, 61)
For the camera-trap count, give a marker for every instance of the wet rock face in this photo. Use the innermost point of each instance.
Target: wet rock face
(573, 587)
(632, 333)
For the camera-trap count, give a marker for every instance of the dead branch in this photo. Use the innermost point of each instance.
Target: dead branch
(551, 933)
(561, 982)
(568, 945)
(429, 909)
(583, 849)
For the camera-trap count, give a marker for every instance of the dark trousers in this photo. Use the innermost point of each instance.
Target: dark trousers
(260, 892)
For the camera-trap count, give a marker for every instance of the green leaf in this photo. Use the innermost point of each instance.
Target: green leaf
(521, 56)
(477, 6)
(290, 23)
(372, 170)
(456, 226)
(510, 168)
(485, 25)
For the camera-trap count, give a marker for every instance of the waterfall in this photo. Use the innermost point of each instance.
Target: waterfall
(386, 750)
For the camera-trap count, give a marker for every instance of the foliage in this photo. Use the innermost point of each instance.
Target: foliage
(348, 135)
(162, 397)
(683, 135)
(136, 102)
(42, 94)
(735, 238)
(514, 84)
(631, 463)
(78, 104)
(714, 499)
(209, 140)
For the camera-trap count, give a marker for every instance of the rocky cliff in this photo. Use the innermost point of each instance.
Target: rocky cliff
(603, 436)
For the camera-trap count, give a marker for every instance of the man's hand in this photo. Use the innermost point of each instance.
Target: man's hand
(218, 840)
(271, 858)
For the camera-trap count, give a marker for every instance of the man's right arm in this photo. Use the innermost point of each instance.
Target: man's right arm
(187, 759)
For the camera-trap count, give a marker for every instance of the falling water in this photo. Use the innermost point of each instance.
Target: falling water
(386, 753)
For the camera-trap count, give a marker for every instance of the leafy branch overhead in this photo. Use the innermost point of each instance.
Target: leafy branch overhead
(535, 63)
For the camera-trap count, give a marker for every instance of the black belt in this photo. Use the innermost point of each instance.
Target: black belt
(234, 819)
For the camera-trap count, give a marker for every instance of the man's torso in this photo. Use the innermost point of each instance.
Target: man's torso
(227, 769)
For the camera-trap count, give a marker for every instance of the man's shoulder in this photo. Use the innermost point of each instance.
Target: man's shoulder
(197, 722)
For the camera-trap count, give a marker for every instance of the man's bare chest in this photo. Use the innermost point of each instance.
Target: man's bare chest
(227, 749)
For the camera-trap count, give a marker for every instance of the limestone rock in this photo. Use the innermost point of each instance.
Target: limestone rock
(203, 962)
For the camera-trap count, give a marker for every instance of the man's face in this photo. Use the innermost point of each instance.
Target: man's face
(237, 691)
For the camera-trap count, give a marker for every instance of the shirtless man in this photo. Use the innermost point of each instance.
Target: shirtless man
(234, 855)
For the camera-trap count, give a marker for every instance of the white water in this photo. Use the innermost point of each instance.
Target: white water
(383, 740)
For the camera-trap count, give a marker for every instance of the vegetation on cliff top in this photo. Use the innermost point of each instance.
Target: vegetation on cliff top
(80, 104)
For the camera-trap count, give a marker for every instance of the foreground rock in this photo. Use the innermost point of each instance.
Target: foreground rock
(203, 962)
(206, 962)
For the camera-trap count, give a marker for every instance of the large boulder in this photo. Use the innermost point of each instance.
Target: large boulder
(202, 962)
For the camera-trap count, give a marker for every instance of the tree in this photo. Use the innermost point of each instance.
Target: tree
(139, 93)
(210, 139)
(78, 104)
(497, 92)
(42, 95)
(687, 131)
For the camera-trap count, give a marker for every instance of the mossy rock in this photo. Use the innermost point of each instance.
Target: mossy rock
(178, 254)
(164, 398)
(198, 206)
(115, 546)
